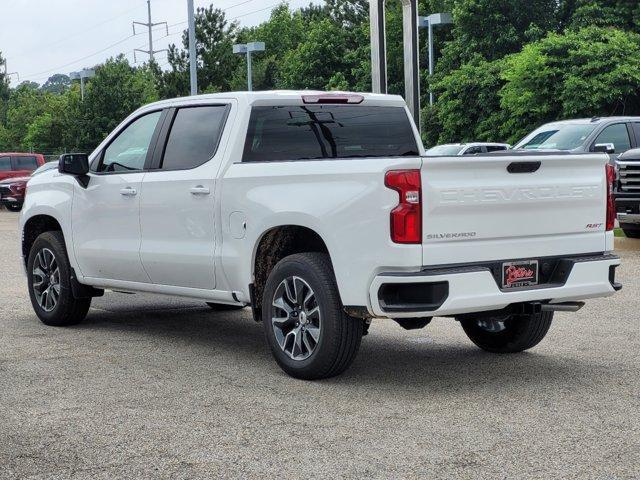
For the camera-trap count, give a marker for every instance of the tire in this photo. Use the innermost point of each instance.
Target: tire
(630, 232)
(221, 307)
(329, 338)
(12, 207)
(508, 334)
(53, 310)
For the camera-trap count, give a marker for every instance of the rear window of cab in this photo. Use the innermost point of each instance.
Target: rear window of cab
(320, 132)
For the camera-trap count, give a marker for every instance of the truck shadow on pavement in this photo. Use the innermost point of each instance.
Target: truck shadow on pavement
(410, 361)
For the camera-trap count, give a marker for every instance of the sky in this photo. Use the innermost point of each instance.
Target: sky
(41, 37)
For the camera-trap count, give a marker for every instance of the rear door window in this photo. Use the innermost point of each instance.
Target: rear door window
(5, 164)
(194, 137)
(25, 163)
(495, 148)
(473, 150)
(616, 134)
(318, 132)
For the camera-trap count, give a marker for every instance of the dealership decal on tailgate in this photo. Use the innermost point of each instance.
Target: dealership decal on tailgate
(519, 274)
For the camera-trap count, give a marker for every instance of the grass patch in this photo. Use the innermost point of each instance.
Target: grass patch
(617, 232)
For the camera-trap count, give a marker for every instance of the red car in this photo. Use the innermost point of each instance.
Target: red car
(19, 164)
(14, 188)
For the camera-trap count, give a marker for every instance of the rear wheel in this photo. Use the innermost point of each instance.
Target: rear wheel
(49, 279)
(509, 333)
(306, 328)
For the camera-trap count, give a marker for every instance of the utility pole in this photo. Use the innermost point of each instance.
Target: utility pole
(149, 24)
(193, 60)
(7, 74)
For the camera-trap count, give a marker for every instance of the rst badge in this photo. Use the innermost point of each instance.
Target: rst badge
(519, 274)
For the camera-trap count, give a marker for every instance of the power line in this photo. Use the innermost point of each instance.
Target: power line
(51, 70)
(38, 75)
(58, 42)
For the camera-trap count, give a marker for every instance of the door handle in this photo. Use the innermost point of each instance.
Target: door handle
(128, 192)
(199, 190)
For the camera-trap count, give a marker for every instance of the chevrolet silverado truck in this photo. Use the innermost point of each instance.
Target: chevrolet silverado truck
(320, 212)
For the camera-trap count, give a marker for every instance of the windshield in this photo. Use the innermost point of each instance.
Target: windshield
(556, 137)
(444, 150)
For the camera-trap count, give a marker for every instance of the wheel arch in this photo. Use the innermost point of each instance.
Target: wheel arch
(276, 243)
(35, 226)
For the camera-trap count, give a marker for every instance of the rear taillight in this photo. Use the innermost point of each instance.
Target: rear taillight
(406, 218)
(611, 206)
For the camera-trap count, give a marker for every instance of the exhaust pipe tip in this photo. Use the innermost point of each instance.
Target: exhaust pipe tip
(562, 307)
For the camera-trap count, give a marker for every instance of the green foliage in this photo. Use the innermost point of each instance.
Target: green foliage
(468, 106)
(593, 71)
(58, 83)
(117, 90)
(502, 68)
(622, 14)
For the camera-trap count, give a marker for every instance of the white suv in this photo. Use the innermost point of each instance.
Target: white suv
(320, 212)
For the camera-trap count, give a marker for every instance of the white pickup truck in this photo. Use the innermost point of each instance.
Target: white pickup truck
(320, 212)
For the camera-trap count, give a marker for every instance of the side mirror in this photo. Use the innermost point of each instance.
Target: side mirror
(609, 148)
(76, 164)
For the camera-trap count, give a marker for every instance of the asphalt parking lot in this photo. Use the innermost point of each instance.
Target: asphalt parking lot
(154, 387)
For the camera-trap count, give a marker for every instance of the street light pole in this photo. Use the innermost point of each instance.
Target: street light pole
(193, 72)
(249, 72)
(429, 22)
(81, 75)
(246, 49)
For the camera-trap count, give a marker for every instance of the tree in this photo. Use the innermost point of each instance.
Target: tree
(215, 37)
(589, 72)
(57, 83)
(491, 29)
(468, 106)
(116, 90)
(316, 59)
(622, 14)
(4, 93)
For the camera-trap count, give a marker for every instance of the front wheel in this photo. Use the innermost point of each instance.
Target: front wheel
(13, 207)
(309, 334)
(49, 279)
(508, 333)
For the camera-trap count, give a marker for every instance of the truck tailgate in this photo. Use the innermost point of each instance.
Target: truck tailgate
(495, 207)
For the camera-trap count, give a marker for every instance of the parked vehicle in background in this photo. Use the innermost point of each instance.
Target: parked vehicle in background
(612, 135)
(19, 164)
(321, 212)
(466, 148)
(627, 192)
(12, 190)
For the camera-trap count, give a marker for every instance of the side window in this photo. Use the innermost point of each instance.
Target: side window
(473, 150)
(128, 151)
(25, 163)
(194, 137)
(5, 164)
(495, 148)
(616, 134)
